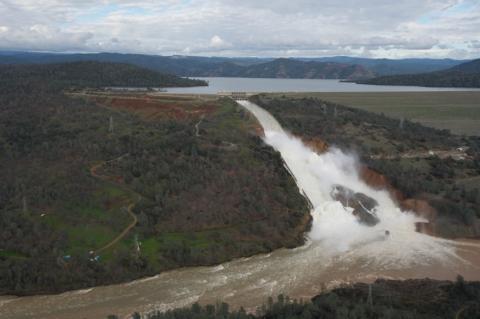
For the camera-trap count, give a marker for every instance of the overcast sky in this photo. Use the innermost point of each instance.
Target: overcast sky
(373, 28)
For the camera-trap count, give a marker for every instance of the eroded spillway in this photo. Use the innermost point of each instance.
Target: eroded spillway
(340, 249)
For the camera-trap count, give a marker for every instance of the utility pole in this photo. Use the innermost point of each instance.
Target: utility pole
(110, 125)
(137, 245)
(24, 203)
(370, 298)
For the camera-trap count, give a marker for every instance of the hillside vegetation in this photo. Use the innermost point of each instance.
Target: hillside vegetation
(463, 75)
(384, 66)
(88, 74)
(100, 188)
(290, 68)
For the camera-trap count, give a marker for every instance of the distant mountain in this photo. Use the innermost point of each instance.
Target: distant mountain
(291, 68)
(463, 75)
(90, 74)
(391, 66)
(468, 67)
(176, 64)
(248, 67)
(206, 66)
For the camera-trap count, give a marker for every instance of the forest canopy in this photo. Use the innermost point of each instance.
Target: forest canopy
(187, 181)
(89, 74)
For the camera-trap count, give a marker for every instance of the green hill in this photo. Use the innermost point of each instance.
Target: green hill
(89, 74)
(98, 188)
(290, 68)
(463, 75)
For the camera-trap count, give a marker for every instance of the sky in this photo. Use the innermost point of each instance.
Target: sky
(274, 28)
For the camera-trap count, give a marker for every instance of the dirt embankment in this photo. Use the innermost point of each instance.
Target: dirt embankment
(420, 206)
(378, 181)
(152, 108)
(316, 144)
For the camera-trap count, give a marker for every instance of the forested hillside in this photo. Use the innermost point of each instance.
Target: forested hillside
(291, 68)
(394, 66)
(98, 189)
(87, 74)
(435, 172)
(463, 75)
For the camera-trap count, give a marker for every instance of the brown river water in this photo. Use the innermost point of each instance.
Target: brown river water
(339, 250)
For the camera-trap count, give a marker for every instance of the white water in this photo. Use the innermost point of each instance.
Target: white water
(335, 225)
(339, 250)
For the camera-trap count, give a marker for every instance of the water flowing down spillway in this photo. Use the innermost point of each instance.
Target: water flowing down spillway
(335, 225)
(340, 249)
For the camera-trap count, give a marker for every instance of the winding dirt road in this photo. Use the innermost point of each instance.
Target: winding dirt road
(93, 172)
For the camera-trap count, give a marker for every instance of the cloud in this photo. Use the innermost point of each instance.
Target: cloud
(435, 28)
(475, 44)
(216, 42)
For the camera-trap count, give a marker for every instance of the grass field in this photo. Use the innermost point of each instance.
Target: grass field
(458, 112)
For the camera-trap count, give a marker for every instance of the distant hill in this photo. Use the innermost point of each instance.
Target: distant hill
(468, 67)
(238, 66)
(206, 66)
(91, 74)
(177, 64)
(291, 68)
(394, 66)
(463, 75)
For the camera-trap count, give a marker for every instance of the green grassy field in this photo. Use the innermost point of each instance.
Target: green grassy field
(458, 112)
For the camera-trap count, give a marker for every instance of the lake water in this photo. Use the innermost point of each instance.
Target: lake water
(219, 84)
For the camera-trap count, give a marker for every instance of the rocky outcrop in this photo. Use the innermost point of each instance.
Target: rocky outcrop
(363, 206)
(421, 207)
